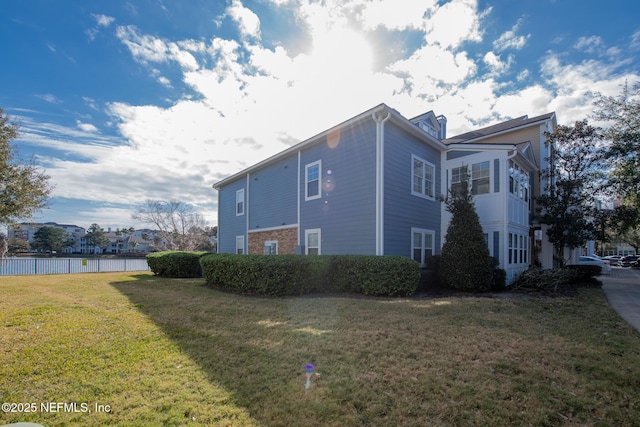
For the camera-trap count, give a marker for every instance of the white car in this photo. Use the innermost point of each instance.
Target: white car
(592, 260)
(613, 259)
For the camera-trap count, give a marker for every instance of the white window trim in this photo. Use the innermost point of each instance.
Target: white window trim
(240, 192)
(423, 231)
(271, 243)
(306, 239)
(472, 179)
(433, 178)
(306, 180)
(240, 244)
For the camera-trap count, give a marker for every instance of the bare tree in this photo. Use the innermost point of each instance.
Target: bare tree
(180, 226)
(4, 246)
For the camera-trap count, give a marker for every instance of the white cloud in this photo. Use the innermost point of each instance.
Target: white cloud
(86, 127)
(104, 20)
(511, 40)
(589, 44)
(248, 22)
(494, 62)
(395, 14)
(145, 48)
(453, 23)
(50, 98)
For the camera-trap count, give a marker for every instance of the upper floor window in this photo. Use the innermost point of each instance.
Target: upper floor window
(480, 174)
(240, 202)
(312, 173)
(459, 176)
(423, 178)
(518, 181)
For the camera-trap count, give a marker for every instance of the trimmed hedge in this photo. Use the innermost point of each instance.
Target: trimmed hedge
(537, 279)
(297, 275)
(175, 264)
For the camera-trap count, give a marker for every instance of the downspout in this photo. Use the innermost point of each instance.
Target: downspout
(380, 181)
(246, 233)
(298, 200)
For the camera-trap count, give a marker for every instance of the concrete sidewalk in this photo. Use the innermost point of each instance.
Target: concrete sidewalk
(622, 289)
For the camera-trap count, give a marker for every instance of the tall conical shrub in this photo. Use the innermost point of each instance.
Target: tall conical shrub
(465, 264)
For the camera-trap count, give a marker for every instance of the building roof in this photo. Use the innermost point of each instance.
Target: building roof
(377, 111)
(509, 125)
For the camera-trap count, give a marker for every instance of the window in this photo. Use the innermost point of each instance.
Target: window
(271, 247)
(518, 181)
(480, 173)
(421, 244)
(459, 176)
(423, 178)
(239, 245)
(518, 248)
(312, 178)
(312, 242)
(240, 202)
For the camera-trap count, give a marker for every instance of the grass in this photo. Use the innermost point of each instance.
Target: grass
(173, 352)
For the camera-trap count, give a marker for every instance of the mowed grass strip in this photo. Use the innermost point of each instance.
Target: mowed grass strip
(174, 352)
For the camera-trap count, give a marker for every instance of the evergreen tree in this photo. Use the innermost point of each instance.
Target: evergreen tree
(465, 262)
(568, 206)
(96, 237)
(50, 239)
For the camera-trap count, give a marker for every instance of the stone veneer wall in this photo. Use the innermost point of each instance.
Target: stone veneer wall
(287, 240)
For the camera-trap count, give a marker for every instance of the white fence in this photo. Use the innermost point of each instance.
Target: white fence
(25, 266)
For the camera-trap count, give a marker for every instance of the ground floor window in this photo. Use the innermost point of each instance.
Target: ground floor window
(312, 242)
(421, 244)
(239, 245)
(518, 248)
(271, 247)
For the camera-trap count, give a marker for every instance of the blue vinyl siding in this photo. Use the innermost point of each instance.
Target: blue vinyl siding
(273, 195)
(231, 225)
(402, 210)
(345, 212)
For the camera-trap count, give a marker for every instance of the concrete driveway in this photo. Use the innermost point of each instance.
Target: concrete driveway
(622, 288)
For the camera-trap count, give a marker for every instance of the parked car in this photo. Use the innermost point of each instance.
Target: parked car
(613, 259)
(605, 265)
(629, 260)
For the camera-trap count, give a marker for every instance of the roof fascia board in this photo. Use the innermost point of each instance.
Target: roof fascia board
(299, 146)
(513, 129)
(461, 146)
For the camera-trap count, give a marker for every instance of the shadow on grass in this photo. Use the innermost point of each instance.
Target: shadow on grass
(256, 348)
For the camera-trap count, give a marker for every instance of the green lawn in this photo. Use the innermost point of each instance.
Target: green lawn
(169, 352)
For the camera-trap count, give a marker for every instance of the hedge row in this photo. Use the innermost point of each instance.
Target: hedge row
(175, 263)
(296, 275)
(537, 279)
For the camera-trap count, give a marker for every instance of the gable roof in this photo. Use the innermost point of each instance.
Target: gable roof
(378, 111)
(509, 125)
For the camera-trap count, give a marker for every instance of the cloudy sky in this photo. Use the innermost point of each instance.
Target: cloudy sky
(122, 101)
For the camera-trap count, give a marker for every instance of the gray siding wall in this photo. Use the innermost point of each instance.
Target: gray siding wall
(273, 195)
(402, 210)
(346, 211)
(231, 225)
(456, 154)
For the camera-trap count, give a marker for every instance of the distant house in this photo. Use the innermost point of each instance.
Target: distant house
(372, 185)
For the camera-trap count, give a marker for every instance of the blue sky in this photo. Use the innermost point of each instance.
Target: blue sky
(122, 101)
